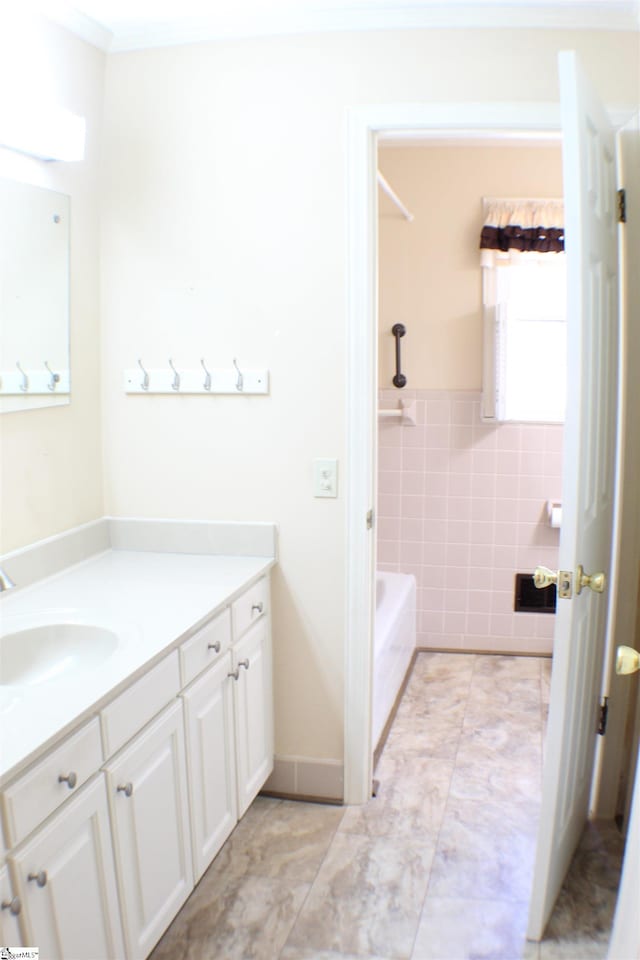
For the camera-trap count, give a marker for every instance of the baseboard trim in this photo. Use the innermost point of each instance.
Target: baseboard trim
(305, 778)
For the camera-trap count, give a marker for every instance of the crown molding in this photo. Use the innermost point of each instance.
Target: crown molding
(217, 25)
(68, 16)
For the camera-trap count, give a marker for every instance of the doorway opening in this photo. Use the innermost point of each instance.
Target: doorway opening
(468, 451)
(437, 123)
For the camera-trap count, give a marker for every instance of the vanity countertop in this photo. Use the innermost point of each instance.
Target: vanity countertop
(153, 601)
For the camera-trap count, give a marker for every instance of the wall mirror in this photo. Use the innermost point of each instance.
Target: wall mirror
(34, 297)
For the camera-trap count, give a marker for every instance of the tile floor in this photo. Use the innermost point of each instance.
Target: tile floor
(437, 866)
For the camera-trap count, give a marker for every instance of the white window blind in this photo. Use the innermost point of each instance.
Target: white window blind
(525, 338)
(532, 354)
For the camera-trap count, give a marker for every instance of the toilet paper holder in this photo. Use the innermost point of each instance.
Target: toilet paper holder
(554, 513)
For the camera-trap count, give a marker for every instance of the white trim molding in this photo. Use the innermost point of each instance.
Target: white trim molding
(118, 29)
(364, 125)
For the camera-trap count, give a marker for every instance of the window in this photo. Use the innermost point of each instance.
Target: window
(525, 341)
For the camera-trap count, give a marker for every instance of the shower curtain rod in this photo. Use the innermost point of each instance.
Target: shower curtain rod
(390, 192)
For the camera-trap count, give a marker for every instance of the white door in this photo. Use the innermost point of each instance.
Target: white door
(588, 481)
(150, 818)
(211, 762)
(68, 884)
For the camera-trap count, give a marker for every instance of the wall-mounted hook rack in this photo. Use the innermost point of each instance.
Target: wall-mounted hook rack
(217, 380)
(25, 381)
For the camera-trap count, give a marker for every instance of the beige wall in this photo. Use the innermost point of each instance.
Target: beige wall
(224, 235)
(429, 270)
(51, 459)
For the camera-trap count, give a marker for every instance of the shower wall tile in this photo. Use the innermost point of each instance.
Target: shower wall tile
(462, 506)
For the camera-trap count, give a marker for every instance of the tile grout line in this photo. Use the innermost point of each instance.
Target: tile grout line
(444, 807)
(313, 882)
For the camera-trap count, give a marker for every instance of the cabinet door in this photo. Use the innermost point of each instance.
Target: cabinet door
(67, 882)
(211, 762)
(148, 797)
(253, 712)
(10, 935)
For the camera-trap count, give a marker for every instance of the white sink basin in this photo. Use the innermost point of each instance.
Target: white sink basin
(38, 654)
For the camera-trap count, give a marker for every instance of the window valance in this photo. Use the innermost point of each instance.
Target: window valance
(526, 226)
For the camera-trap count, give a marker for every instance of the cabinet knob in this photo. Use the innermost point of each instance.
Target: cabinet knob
(40, 878)
(13, 905)
(257, 606)
(234, 673)
(214, 646)
(244, 663)
(71, 779)
(126, 788)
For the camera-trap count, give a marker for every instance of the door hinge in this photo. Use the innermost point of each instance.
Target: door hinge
(604, 710)
(371, 517)
(622, 206)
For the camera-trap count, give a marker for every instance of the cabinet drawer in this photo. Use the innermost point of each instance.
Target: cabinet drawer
(39, 792)
(129, 712)
(248, 608)
(202, 649)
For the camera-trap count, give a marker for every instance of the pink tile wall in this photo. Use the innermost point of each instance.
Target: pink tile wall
(462, 505)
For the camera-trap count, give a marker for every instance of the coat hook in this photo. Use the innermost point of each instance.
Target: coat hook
(240, 380)
(176, 379)
(207, 379)
(145, 379)
(55, 377)
(24, 386)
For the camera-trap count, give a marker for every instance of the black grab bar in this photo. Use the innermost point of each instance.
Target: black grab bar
(398, 330)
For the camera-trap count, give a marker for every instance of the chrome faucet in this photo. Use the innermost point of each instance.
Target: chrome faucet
(6, 583)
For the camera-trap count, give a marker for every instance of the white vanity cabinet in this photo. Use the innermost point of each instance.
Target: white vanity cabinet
(66, 881)
(147, 784)
(108, 830)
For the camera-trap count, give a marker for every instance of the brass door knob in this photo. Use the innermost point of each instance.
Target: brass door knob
(543, 577)
(595, 581)
(627, 660)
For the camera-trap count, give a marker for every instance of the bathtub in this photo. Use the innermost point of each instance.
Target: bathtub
(394, 643)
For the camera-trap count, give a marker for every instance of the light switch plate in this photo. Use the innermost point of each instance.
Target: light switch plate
(325, 478)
